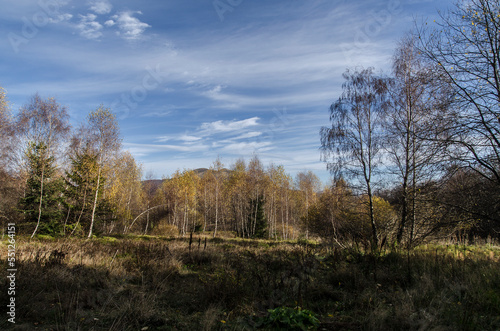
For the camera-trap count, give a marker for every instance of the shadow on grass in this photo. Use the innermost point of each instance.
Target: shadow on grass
(134, 284)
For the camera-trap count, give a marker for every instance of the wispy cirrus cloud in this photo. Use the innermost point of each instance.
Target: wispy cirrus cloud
(164, 113)
(248, 135)
(183, 138)
(228, 126)
(146, 149)
(266, 56)
(244, 147)
(234, 137)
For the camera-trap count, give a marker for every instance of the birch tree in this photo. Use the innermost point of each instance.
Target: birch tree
(465, 46)
(308, 184)
(8, 193)
(103, 137)
(352, 145)
(417, 100)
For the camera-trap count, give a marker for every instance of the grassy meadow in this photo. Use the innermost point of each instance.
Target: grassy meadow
(154, 283)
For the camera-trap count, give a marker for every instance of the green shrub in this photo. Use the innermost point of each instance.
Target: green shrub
(286, 318)
(45, 237)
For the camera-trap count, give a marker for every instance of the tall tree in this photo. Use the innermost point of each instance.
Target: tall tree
(124, 189)
(8, 191)
(102, 136)
(466, 48)
(218, 175)
(188, 183)
(148, 194)
(256, 183)
(416, 99)
(81, 183)
(43, 124)
(258, 217)
(239, 197)
(6, 130)
(308, 184)
(352, 145)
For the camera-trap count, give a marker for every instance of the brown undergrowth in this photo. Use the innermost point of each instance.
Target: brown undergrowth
(147, 283)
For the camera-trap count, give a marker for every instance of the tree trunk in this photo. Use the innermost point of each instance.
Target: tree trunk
(95, 204)
(39, 205)
(372, 218)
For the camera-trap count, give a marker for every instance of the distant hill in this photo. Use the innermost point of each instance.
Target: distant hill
(201, 171)
(156, 183)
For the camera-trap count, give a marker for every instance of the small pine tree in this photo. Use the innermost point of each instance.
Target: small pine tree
(42, 183)
(258, 218)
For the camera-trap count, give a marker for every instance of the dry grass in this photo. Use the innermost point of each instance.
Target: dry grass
(143, 282)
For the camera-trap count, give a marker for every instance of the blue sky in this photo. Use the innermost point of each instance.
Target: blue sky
(193, 80)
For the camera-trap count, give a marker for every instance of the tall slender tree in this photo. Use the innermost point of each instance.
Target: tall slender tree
(237, 192)
(124, 189)
(416, 100)
(8, 191)
(218, 175)
(101, 135)
(308, 184)
(352, 146)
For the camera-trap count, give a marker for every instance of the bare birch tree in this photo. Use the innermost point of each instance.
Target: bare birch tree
(352, 146)
(417, 100)
(465, 45)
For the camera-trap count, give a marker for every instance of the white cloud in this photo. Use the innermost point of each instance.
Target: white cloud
(60, 18)
(163, 139)
(88, 27)
(244, 147)
(101, 7)
(213, 93)
(146, 149)
(131, 28)
(227, 126)
(160, 113)
(109, 23)
(251, 134)
(187, 138)
(184, 138)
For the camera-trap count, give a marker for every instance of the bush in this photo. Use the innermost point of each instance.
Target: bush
(165, 229)
(286, 318)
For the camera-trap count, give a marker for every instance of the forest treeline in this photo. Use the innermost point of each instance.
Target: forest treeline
(65, 181)
(414, 155)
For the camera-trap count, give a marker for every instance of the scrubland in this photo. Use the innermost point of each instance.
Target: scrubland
(155, 283)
